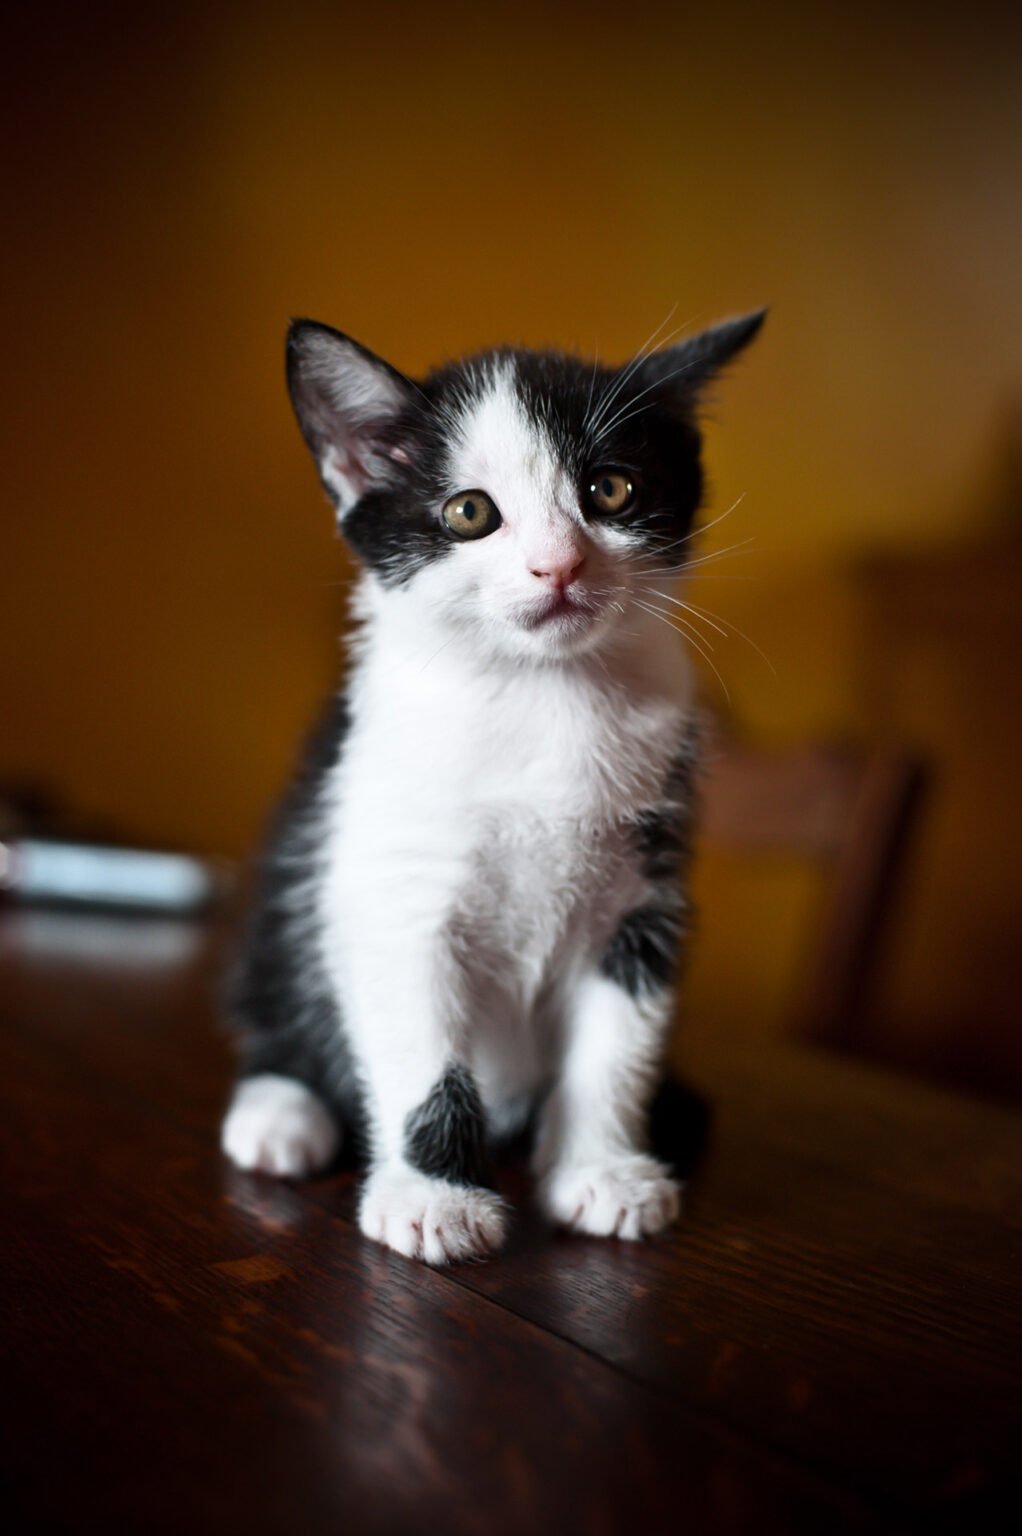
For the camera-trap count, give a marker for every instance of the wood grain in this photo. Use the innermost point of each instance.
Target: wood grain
(830, 1341)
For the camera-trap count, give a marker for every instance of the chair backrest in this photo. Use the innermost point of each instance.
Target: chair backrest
(852, 812)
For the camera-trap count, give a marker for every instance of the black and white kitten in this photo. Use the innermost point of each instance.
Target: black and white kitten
(473, 906)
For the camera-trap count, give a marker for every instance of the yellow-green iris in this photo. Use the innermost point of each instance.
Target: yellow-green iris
(609, 491)
(471, 515)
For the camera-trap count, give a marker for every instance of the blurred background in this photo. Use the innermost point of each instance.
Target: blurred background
(437, 179)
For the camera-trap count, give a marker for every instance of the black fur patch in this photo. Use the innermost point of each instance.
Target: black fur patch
(397, 532)
(281, 1003)
(642, 957)
(445, 1136)
(663, 834)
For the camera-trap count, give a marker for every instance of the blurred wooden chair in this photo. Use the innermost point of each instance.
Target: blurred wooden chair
(853, 813)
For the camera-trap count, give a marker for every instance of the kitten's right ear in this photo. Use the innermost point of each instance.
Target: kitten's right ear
(347, 401)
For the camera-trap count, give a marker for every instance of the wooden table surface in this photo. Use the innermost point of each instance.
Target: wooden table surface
(830, 1341)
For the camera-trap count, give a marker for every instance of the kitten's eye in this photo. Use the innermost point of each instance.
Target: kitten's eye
(609, 491)
(471, 515)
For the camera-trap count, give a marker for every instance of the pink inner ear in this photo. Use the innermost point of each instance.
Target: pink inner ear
(349, 464)
(345, 470)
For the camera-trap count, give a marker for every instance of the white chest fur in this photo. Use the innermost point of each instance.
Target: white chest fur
(482, 811)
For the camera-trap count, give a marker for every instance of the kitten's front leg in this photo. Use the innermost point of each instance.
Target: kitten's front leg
(425, 1193)
(596, 1175)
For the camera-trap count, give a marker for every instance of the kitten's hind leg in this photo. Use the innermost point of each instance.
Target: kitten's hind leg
(277, 1125)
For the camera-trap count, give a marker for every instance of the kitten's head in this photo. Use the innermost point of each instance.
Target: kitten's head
(521, 496)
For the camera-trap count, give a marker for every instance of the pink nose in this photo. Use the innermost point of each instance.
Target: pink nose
(559, 571)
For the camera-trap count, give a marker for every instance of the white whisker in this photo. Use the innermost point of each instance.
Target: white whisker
(707, 614)
(626, 373)
(674, 622)
(667, 596)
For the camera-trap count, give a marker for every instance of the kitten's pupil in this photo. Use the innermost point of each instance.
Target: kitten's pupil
(468, 509)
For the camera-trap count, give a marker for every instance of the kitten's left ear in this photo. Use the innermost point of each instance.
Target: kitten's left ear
(691, 364)
(347, 402)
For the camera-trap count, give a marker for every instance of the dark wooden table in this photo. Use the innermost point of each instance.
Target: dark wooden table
(829, 1341)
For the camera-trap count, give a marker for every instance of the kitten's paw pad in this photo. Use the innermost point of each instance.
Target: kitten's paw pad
(431, 1219)
(630, 1197)
(276, 1125)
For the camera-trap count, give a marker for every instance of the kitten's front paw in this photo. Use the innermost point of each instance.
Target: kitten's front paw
(630, 1197)
(431, 1219)
(277, 1125)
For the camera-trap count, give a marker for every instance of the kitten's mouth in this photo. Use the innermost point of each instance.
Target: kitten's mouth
(567, 608)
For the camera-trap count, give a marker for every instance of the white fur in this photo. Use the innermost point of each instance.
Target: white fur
(478, 853)
(478, 857)
(431, 1219)
(488, 590)
(631, 1197)
(275, 1125)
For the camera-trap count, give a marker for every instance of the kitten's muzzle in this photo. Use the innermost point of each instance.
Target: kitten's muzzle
(560, 603)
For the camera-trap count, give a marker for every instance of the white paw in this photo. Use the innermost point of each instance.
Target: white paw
(431, 1219)
(277, 1125)
(630, 1197)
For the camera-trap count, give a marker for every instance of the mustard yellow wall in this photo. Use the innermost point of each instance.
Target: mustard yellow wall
(438, 178)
